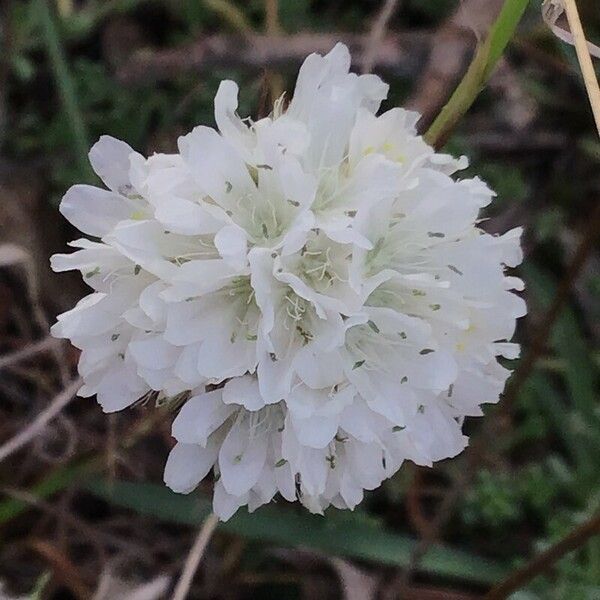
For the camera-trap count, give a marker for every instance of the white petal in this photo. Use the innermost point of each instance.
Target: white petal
(186, 217)
(319, 370)
(92, 210)
(199, 417)
(109, 158)
(225, 505)
(154, 353)
(241, 459)
(243, 391)
(228, 122)
(216, 166)
(231, 242)
(188, 465)
(316, 431)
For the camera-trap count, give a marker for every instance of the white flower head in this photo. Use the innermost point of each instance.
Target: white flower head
(314, 282)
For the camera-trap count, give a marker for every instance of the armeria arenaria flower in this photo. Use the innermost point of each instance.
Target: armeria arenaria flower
(314, 283)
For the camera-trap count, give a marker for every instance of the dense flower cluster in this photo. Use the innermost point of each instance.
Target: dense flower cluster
(313, 284)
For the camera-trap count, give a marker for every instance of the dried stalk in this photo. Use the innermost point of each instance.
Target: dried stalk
(195, 556)
(8, 360)
(377, 33)
(585, 60)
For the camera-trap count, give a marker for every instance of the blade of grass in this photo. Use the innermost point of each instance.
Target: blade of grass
(57, 480)
(484, 61)
(347, 534)
(580, 376)
(568, 342)
(66, 87)
(540, 389)
(77, 470)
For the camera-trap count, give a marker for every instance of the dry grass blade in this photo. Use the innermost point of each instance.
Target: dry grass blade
(377, 33)
(13, 358)
(272, 17)
(195, 556)
(40, 422)
(12, 255)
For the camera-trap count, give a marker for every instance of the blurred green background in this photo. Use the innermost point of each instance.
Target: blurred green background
(73, 70)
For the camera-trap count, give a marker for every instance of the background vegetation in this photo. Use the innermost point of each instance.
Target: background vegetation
(84, 513)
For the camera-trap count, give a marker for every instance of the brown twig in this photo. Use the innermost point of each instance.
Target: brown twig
(377, 33)
(544, 561)
(63, 568)
(38, 424)
(401, 54)
(195, 556)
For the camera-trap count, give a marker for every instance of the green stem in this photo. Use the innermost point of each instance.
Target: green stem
(477, 74)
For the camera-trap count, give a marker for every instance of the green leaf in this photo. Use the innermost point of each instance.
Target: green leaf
(339, 532)
(479, 70)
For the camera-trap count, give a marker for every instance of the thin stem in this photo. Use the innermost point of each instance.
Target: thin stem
(272, 17)
(545, 560)
(273, 79)
(479, 70)
(195, 556)
(585, 60)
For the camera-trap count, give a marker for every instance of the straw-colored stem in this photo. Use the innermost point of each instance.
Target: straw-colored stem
(585, 60)
(195, 557)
